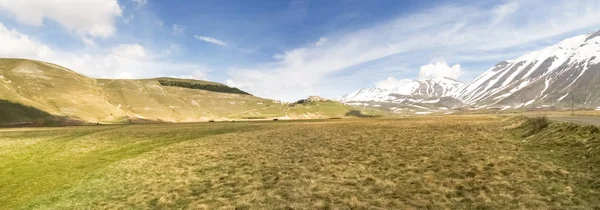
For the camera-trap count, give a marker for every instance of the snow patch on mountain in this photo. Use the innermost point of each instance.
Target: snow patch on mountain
(416, 88)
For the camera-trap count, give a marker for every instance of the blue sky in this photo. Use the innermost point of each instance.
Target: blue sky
(288, 49)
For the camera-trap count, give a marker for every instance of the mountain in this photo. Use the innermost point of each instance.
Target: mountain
(415, 89)
(419, 95)
(549, 77)
(35, 92)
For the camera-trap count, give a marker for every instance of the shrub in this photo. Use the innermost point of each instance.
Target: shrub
(207, 87)
(539, 122)
(533, 125)
(356, 113)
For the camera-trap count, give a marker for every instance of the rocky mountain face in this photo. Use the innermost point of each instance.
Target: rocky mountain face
(554, 76)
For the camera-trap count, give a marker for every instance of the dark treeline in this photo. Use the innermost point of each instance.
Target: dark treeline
(208, 87)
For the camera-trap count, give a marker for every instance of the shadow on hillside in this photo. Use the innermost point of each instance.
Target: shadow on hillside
(356, 113)
(18, 115)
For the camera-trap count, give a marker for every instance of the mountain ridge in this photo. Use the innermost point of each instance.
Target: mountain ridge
(417, 95)
(424, 88)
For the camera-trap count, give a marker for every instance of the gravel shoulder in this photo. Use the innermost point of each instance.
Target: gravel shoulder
(585, 120)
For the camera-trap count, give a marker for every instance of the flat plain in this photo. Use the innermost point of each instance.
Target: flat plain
(435, 162)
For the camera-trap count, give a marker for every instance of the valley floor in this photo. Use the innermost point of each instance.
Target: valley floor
(453, 162)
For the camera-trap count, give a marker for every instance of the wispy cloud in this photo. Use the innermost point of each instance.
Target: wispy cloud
(177, 29)
(392, 82)
(140, 2)
(456, 30)
(211, 40)
(502, 11)
(321, 41)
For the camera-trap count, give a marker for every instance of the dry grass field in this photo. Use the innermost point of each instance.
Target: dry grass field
(451, 162)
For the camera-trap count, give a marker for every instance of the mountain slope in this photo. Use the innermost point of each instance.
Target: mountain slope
(431, 88)
(551, 76)
(415, 96)
(39, 90)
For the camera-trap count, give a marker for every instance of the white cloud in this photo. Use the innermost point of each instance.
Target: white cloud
(392, 82)
(15, 44)
(321, 41)
(177, 29)
(121, 61)
(86, 17)
(130, 51)
(440, 69)
(457, 30)
(211, 40)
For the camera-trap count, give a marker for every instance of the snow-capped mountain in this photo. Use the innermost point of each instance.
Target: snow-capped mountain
(417, 96)
(554, 75)
(421, 89)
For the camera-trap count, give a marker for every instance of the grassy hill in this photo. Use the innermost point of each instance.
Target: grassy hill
(35, 91)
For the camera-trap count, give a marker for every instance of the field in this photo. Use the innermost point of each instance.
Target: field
(451, 162)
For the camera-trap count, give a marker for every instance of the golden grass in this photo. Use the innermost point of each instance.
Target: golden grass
(452, 162)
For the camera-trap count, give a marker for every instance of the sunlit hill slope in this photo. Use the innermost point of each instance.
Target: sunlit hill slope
(33, 92)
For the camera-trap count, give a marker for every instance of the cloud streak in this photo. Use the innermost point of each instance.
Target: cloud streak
(211, 40)
(140, 2)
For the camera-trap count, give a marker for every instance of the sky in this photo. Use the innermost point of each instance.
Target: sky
(288, 49)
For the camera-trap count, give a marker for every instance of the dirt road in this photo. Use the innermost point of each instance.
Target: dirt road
(585, 120)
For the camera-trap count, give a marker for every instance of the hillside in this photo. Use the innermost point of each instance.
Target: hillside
(54, 90)
(33, 92)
